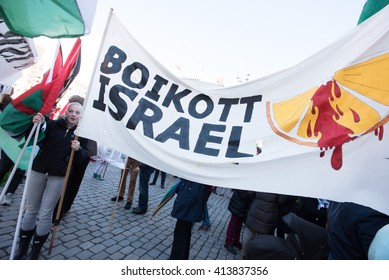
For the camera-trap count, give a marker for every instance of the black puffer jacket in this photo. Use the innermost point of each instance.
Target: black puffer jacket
(263, 212)
(240, 203)
(55, 148)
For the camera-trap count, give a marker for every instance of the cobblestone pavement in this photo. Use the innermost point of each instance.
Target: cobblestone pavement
(94, 229)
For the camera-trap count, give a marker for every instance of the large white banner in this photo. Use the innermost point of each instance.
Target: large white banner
(317, 129)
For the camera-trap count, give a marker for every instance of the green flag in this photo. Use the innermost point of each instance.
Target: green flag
(50, 18)
(370, 8)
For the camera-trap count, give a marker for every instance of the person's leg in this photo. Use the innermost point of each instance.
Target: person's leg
(163, 178)
(134, 171)
(34, 196)
(50, 197)
(206, 223)
(123, 182)
(247, 235)
(144, 177)
(73, 186)
(156, 173)
(237, 231)
(181, 241)
(16, 180)
(5, 165)
(13, 185)
(230, 234)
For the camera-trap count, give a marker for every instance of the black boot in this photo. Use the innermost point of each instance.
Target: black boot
(37, 245)
(24, 242)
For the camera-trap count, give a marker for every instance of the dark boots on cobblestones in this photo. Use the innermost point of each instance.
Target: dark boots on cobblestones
(25, 237)
(37, 245)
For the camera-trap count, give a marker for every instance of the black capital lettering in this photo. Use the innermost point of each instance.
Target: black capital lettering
(130, 69)
(192, 110)
(227, 102)
(147, 120)
(154, 92)
(206, 137)
(250, 105)
(179, 131)
(173, 96)
(99, 104)
(234, 142)
(113, 60)
(118, 102)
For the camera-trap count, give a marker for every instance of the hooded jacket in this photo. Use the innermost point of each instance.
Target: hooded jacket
(54, 150)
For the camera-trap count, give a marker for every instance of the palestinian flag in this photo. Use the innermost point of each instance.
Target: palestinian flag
(370, 8)
(16, 118)
(50, 18)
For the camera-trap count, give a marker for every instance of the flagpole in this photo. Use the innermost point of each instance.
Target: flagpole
(26, 185)
(117, 197)
(58, 215)
(11, 175)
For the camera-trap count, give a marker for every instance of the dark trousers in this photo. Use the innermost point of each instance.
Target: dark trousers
(144, 178)
(181, 241)
(6, 165)
(233, 230)
(163, 178)
(75, 178)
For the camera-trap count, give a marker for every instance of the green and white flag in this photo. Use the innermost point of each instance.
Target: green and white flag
(50, 18)
(370, 8)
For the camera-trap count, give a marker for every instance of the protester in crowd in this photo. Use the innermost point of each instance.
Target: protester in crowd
(206, 222)
(188, 208)
(6, 164)
(76, 174)
(144, 178)
(132, 168)
(286, 204)
(262, 218)
(163, 178)
(101, 168)
(238, 206)
(314, 210)
(351, 229)
(47, 177)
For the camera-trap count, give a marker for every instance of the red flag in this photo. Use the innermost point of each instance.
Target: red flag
(65, 77)
(16, 117)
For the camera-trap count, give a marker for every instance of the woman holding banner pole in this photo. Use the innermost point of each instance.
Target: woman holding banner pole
(47, 177)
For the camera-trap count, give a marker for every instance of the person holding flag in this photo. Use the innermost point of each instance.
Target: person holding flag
(47, 177)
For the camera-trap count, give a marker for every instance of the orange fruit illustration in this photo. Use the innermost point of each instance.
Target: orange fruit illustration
(338, 112)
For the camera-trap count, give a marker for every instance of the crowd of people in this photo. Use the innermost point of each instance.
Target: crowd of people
(257, 219)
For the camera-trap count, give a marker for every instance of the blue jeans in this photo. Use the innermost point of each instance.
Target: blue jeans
(206, 220)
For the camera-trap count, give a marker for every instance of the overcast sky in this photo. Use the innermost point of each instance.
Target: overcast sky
(211, 39)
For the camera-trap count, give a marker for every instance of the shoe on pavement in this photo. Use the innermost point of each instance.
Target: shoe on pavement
(114, 198)
(139, 211)
(7, 199)
(204, 228)
(230, 248)
(100, 178)
(128, 205)
(238, 245)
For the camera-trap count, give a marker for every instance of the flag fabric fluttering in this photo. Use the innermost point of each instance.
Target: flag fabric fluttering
(50, 18)
(16, 53)
(16, 118)
(319, 123)
(370, 8)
